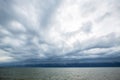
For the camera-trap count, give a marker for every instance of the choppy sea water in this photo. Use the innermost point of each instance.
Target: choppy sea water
(59, 73)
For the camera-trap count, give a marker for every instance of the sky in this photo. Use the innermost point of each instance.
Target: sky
(59, 29)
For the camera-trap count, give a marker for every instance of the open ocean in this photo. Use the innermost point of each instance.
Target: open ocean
(60, 73)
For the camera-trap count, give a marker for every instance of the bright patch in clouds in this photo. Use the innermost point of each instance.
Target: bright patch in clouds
(59, 29)
(5, 57)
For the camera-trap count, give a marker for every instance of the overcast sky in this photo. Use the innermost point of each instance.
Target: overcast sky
(64, 29)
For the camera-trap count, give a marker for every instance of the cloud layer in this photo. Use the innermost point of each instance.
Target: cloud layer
(65, 29)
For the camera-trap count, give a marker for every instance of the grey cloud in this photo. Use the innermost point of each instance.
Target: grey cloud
(25, 38)
(89, 7)
(103, 17)
(102, 55)
(48, 11)
(107, 41)
(87, 27)
(104, 46)
(5, 11)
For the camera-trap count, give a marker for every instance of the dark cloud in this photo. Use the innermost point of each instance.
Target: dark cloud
(51, 30)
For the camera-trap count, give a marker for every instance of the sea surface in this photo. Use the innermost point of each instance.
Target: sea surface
(60, 73)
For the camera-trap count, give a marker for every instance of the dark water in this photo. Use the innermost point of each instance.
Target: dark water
(59, 73)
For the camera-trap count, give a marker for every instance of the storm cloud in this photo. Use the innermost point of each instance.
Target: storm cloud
(65, 29)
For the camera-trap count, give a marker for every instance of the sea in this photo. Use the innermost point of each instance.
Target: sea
(85, 73)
